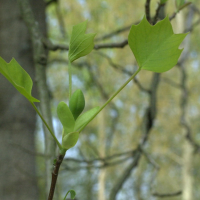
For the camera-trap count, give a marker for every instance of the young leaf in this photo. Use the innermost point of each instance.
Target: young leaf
(66, 117)
(77, 103)
(69, 140)
(18, 77)
(72, 193)
(84, 118)
(81, 44)
(155, 47)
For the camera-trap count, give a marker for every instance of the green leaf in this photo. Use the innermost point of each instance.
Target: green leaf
(72, 193)
(69, 140)
(155, 47)
(163, 1)
(81, 44)
(18, 77)
(77, 103)
(66, 117)
(85, 117)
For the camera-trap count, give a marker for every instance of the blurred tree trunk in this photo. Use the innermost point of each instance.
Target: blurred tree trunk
(17, 117)
(102, 148)
(188, 149)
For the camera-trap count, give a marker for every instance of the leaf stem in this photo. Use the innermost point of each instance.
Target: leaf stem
(54, 137)
(70, 78)
(111, 98)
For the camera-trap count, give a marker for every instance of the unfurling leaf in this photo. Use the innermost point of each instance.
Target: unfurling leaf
(85, 118)
(18, 77)
(69, 140)
(72, 193)
(81, 44)
(66, 118)
(77, 103)
(155, 47)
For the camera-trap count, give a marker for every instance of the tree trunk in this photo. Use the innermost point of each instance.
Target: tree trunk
(102, 172)
(17, 117)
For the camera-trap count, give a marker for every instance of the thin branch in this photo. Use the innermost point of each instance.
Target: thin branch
(124, 176)
(171, 82)
(149, 159)
(114, 156)
(167, 195)
(111, 45)
(54, 47)
(147, 10)
(155, 19)
(55, 176)
(114, 33)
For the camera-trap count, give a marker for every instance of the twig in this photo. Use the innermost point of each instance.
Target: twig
(149, 159)
(111, 45)
(147, 10)
(171, 82)
(114, 33)
(155, 19)
(55, 176)
(124, 176)
(167, 195)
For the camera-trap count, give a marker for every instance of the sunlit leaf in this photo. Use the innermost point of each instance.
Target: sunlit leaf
(84, 118)
(18, 77)
(69, 140)
(77, 103)
(155, 47)
(66, 117)
(72, 193)
(81, 44)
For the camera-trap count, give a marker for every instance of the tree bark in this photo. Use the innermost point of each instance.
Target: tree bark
(102, 172)
(17, 117)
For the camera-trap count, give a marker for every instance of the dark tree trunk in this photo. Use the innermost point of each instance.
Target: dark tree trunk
(18, 179)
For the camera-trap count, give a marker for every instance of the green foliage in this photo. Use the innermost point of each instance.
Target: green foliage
(18, 77)
(66, 117)
(77, 103)
(81, 44)
(155, 47)
(70, 133)
(72, 193)
(69, 140)
(85, 118)
(163, 1)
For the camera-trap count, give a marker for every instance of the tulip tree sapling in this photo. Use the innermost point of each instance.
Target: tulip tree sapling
(155, 49)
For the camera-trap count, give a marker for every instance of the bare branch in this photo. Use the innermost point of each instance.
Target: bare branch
(147, 10)
(167, 195)
(155, 19)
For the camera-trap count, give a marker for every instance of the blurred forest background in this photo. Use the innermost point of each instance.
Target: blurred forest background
(145, 145)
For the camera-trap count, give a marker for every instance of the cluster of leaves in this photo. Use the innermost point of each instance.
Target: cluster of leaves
(154, 47)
